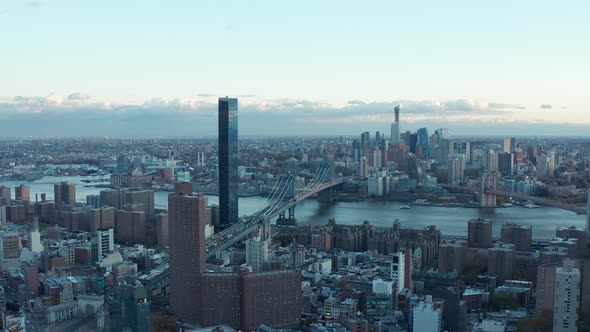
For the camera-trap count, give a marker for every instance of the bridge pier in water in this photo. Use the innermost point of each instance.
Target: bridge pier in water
(326, 196)
(287, 219)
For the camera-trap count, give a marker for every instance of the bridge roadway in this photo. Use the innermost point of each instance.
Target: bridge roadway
(239, 231)
(537, 200)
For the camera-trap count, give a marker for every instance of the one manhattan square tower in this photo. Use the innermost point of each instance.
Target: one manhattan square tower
(228, 161)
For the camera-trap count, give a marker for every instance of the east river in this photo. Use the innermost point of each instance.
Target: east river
(451, 221)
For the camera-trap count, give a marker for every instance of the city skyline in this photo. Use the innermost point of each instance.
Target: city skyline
(448, 66)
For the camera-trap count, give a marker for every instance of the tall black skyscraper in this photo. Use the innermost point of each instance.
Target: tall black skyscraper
(228, 160)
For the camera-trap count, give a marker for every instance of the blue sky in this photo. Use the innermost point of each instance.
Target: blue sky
(334, 67)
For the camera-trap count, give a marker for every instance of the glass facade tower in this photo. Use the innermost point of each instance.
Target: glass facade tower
(228, 160)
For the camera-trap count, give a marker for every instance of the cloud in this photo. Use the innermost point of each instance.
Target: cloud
(502, 105)
(78, 96)
(205, 95)
(197, 116)
(356, 102)
(546, 106)
(33, 4)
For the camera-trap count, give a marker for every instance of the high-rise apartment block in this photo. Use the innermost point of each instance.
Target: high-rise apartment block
(228, 160)
(22, 193)
(567, 297)
(479, 233)
(64, 195)
(258, 254)
(520, 236)
(144, 197)
(501, 261)
(243, 300)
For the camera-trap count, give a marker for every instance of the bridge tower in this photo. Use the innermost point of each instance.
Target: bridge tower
(289, 219)
(488, 188)
(325, 196)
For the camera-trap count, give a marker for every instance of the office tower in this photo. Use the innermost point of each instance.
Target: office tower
(506, 163)
(398, 154)
(456, 168)
(365, 138)
(102, 243)
(507, 147)
(588, 212)
(377, 138)
(22, 193)
(520, 236)
(356, 150)
(228, 160)
(479, 233)
(258, 254)
(544, 167)
(395, 129)
(501, 261)
(186, 218)
(376, 158)
(64, 194)
(491, 161)
(113, 197)
(513, 145)
(426, 317)
(423, 140)
(93, 201)
(442, 133)
(567, 297)
(363, 167)
(129, 308)
(463, 148)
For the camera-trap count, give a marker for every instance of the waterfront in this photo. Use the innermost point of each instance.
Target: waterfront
(450, 220)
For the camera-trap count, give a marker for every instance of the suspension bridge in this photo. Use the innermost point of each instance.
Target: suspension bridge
(520, 196)
(288, 191)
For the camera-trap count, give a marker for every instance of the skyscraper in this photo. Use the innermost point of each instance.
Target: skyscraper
(506, 163)
(228, 160)
(491, 161)
(243, 299)
(456, 168)
(395, 130)
(423, 142)
(187, 248)
(588, 213)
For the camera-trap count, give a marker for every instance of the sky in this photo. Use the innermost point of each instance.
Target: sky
(156, 68)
